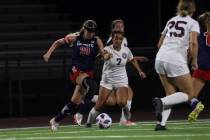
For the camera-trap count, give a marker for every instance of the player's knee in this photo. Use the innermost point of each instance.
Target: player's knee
(91, 87)
(111, 101)
(121, 103)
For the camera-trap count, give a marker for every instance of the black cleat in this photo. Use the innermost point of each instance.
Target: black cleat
(88, 125)
(160, 127)
(158, 105)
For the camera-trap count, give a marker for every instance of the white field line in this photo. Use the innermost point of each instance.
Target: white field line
(204, 121)
(110, 136)
(98, 130)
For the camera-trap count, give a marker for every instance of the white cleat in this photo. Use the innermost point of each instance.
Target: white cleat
(127, 123)
(78, 119)
(53, 125)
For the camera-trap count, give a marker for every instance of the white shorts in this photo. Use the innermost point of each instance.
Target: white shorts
(113, 85)
(171, 70)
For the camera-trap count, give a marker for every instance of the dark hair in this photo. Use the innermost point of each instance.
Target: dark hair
(204, 20)
(90, 25)
(116, 32)
(185, 7)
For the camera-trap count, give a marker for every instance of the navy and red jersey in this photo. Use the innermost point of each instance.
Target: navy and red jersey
(204, 51)
(84, 53)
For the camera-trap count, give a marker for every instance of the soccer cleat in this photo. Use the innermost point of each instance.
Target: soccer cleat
(127, 123)
(88, 125)
(53, 125)
(160, 127)
(192, 117)
(78, 119)
(158, 105)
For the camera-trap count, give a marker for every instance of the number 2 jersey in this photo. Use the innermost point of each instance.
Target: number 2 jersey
(114, 69)
(176, 41)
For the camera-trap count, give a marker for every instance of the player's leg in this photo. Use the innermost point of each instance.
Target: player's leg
(102, 98)
(198, 84)
(169, 89)
(69, 109)
(123, 120)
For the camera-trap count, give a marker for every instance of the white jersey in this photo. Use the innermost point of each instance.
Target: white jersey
(114, 69)
(176, 41)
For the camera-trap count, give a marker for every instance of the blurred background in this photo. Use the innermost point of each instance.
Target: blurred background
(31, 87)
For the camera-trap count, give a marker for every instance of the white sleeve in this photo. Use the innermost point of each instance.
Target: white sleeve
(130, 55)
(194, 27)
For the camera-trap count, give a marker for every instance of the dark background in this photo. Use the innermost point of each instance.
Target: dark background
(30, 87)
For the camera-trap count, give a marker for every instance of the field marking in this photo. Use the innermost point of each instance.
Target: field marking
(140, 123)
(100, 130)
(110, 136)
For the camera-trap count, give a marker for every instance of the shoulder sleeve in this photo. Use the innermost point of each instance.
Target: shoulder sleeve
(130, 55)
(194, 27)
(165, 30)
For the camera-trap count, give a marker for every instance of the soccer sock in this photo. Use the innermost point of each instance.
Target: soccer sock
(92, 115)
(194, 102)
(68, 109)
(176, 98)
(128, 105)
(165, 116)
(94, 99)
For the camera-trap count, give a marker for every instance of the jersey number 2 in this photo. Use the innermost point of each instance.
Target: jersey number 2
(119, 61)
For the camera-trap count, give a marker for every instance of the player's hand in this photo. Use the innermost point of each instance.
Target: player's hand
(46, 57)
(107, 55)
(194, 66)
(142, 75)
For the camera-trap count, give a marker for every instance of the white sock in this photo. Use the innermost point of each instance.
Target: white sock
(173, 99)
(92, 115)
(128, 105)
(94, 99)
(129, 102)
(165, 115)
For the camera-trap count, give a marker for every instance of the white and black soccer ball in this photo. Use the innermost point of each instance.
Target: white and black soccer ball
(103, 121)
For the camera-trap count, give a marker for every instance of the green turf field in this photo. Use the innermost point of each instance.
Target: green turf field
(177, 130)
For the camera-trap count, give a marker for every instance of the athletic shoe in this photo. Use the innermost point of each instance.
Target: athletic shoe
(158, 105)
(192, 117)
(53, 125)
(160, 127)
(78, 119)
(127, 123)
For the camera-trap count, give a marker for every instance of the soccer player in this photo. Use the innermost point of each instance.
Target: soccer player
(117, 25)
(202, 74)
(114, 76)
(180, 33)
(85, 47)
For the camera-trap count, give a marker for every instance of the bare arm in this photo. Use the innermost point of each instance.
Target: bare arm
(68, 39)
(136, 65)
(193, 45)
(160, 41)
(102, 53)
(141, 58)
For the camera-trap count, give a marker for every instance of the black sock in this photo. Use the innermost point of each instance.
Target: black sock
(68, 109)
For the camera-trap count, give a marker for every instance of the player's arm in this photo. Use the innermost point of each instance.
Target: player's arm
(141, 58)
(69, 39)
(103, 54)
(193, 45)
(138, 68)
(160, 42)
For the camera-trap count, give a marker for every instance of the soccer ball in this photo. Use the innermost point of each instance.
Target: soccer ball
(103, 121)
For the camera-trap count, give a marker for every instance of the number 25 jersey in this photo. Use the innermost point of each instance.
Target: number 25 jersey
(176, 41)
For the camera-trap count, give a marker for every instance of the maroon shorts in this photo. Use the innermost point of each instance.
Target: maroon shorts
(75, 73)
(202, 74)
